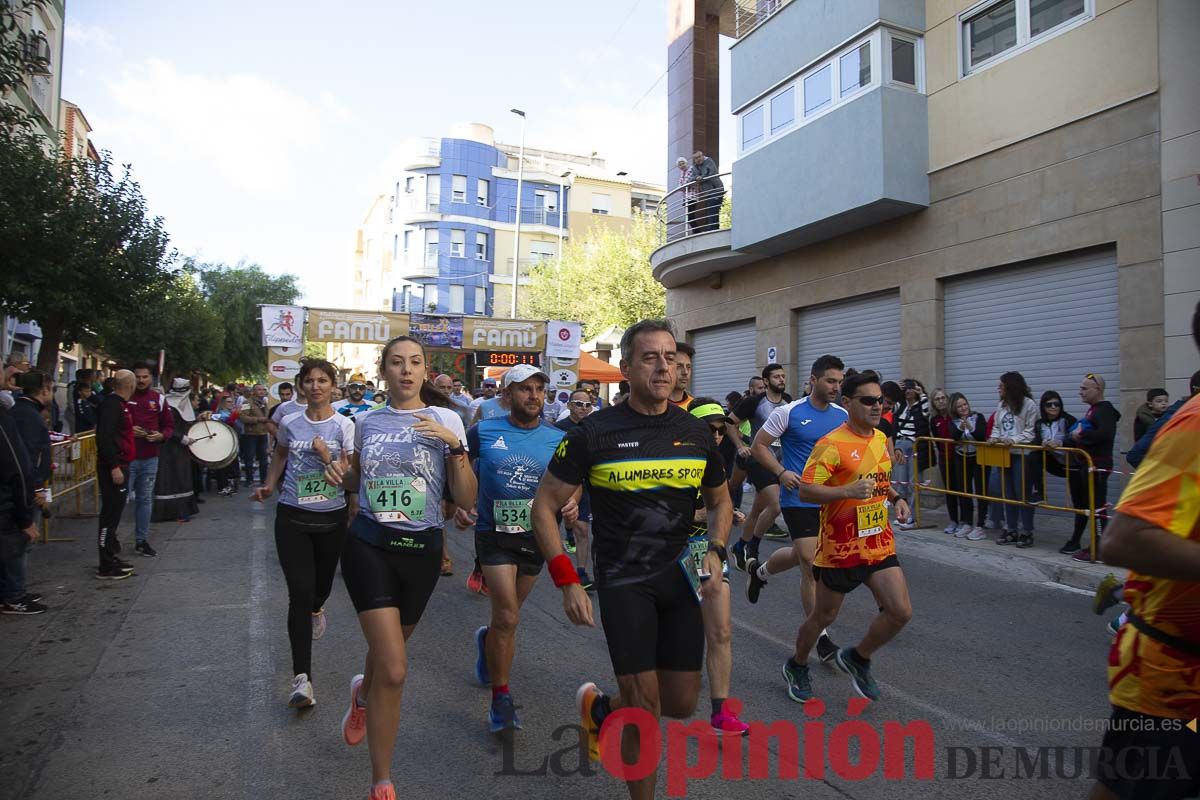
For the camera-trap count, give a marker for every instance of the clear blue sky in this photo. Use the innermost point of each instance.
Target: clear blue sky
(260, 130)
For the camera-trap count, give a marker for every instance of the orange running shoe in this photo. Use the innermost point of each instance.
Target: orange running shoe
(585, 699)
(354, 723)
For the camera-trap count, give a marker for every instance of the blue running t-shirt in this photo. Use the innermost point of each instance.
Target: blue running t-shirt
(798, 426)
(510, 462)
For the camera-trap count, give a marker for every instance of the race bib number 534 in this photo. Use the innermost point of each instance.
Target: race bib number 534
(396, 498)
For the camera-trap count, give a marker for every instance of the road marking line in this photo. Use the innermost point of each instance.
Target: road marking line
(1071, 589)
(954, 722)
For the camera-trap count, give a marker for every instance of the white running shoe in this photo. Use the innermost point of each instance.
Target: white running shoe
(951, 529)
(302, 692)
(962, 530)
(976, 534)
(905, 526)
(318, 624)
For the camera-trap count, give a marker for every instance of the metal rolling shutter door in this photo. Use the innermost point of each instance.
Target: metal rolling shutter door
(1052, 321)
(864, 333)
(725, 359)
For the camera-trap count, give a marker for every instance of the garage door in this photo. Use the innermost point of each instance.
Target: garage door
(1052, 321)
(725, 359)
(864, 333)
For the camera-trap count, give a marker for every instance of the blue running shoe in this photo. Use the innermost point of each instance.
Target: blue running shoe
(502, 716)
(481, 668)
(799, 686)
(860, 675)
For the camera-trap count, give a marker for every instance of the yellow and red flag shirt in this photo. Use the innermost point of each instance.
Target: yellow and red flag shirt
(1145, 675)
(853, 532)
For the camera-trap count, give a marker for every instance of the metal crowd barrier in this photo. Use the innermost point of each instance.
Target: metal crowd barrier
(1000, 456)
(74, 473)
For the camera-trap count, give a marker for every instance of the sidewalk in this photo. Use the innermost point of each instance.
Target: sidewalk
(1042, 562)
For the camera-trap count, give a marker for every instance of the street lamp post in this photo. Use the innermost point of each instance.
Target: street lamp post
(562, 209)
(517, 237)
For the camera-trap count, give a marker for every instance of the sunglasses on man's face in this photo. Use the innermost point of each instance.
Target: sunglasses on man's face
(580, 404)
(356, 386)
(870, 401)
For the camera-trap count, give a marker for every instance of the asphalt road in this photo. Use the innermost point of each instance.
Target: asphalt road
(173, 684)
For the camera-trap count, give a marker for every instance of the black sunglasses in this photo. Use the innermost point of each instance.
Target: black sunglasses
(1053, 404)
(718, 430)
(870, 402)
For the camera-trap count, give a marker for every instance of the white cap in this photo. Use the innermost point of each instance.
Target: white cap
(521, 373)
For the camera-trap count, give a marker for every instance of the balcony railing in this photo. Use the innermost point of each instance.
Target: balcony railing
(691, 210)
(749, 14)
(532, 216)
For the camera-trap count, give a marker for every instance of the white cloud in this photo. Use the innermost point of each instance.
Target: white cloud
(251, 132)
(90, 36)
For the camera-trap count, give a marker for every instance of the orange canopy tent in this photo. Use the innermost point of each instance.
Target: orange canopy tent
(590, 369)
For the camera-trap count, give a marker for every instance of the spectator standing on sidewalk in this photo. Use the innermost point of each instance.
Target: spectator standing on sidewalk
(1015, 424)
(152, 424)
(1138, 451)
(252, 443)
(911, 421)
(964, 473)
(115, 451)
(712, 192)
(1148, 412)
(939, 426)
(17, 529)
(29, 414)
(1095, 434)
(1053, 423)
(83, 410)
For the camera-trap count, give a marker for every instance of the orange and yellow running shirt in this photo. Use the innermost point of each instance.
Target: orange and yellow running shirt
(853, 532)
(1143, 674)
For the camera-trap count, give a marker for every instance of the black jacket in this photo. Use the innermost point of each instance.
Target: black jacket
(706, 176)
(979, 434)
(16, 477)
(1100, 422)
(1138, 452)
(27, 414)
(85, 415)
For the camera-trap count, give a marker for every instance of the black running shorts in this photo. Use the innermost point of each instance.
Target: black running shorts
(760, 477)
(653, 624)
(380, 578)
(495, 549)
(845, 581)
(1136, 745)
(802, 523)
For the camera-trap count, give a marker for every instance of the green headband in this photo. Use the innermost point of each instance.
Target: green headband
(708, 410)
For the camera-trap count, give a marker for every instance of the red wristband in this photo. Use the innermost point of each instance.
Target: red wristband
(563, 571)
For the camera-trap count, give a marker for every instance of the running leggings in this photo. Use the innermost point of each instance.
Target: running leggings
(308, 543)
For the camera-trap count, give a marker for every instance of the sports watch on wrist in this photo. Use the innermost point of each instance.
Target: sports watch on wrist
(719, 549)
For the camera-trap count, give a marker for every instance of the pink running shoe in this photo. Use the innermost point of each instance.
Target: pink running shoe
(354, 724)
(726, 723)
(383, 791)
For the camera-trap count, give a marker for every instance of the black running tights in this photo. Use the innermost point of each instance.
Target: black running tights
(309, 544)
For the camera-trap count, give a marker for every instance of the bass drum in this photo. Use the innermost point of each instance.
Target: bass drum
(214, 444)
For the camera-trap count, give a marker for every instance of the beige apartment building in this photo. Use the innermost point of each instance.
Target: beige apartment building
(945, 190)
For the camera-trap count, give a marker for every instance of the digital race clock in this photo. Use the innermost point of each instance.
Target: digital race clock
(506, 358)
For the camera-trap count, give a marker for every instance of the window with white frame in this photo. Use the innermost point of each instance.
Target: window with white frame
(457, 298)
(458, 243)
(818, 90)
(431, 247)
(481, 192)
(407, 241)
(601, 203)
(433, 191)
(408, 185)
(430, 300)
(480, 300)
(458, 189)
(395, 247)
(783, 109)
(881, 55)
(902, 60)
(855, 69)
(481, 246)
(752, 127)
(994, 29)
(541, 251)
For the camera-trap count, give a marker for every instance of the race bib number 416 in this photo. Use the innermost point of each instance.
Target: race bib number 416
(396, 498)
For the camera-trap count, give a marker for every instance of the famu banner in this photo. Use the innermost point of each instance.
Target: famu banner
(370, 327)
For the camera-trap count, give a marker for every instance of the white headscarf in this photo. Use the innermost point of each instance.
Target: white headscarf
(179, 400)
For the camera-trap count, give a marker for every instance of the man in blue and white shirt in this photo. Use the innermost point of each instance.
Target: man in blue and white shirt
(798, 427)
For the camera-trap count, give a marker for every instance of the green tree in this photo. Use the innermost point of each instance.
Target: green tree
(234, 294)
(178, 321)
(605, 280)
(78, 244)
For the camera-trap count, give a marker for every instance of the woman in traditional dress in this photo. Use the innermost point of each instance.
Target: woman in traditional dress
(174, 495)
